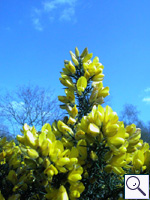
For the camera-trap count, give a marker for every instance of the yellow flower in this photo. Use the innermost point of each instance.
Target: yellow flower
(51, 193)
(81, 84)
(147, 159)
(51, 136)
(84, 53)
(87, 57)
(64, 128)
(98, 77)
(119, 149)
(55, 129)
(71, 164)
(67, 82)
(82, 148)
(74, 112)
(62, 194)
(63, 99)
(46, 163)
(97, 84)
(91, 69)
(51, 171)
(42, 137)
(46, 127)
(134, 138)
(93, 130)
(87, 74)
(70, 95)
(70, 67)
(99, 69)
(66, 71)
(84, 124)
(118, 170)
(100, 112)
(71, 121)
(75, 175)
(99, 101)
(12, 177)
(96, 60)
(32, 153)
(118, 138)
(62, 161)
(74, 152)
(92, 115)
(31, 140)
(85, 66)
(26, 127)
(77, 52)
(140, 143)
(21, 139)
(66, 142)
(15, 161)
(56, 150)
(45, 148)
(131, 129)
(108, 113)
(111, 130)
(74, 59)
(2, 155)
(144, 147)
(138, 159)
(76, 189)
(93, 156)
(94, 95)
(2, 141)
(80, 134)
(118, 161)
(103, 92)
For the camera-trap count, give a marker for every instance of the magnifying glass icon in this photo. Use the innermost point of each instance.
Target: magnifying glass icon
(133, 183)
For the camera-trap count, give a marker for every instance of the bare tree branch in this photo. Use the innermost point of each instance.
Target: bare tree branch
(29, 104)
(129, 115)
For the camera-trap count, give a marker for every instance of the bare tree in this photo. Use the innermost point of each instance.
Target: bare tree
(4, 132)
(129, 115)
(29, 104)
(148, 126)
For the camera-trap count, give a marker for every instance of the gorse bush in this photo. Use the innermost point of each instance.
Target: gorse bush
(83, 156)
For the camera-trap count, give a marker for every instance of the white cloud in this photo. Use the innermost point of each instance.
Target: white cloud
(64, 10)
(17, 106)
(67, 14)
(147, 90)
(146, 99)
(37, 11)
(37, 24)
(48, 6)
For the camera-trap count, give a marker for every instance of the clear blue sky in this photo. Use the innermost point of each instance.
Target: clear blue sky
(36, 37)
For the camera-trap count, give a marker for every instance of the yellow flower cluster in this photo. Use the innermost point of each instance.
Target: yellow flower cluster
(124, 143)
(90, 70)
(62, 153)
(102, 123)
(43, 150)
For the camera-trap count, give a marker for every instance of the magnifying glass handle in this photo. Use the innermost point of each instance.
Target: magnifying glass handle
(142, 191)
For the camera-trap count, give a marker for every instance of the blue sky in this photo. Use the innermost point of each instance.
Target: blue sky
(36, 37)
